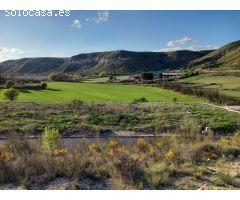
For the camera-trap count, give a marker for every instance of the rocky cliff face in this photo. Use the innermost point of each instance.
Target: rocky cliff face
(113, 62)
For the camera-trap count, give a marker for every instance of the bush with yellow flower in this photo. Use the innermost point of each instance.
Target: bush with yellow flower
(169, 155)
(94, 148)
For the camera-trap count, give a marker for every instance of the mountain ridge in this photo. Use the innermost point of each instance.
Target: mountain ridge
(119, 61)
(125, 62)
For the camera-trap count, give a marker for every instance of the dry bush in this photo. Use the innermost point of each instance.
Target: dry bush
(224, 178)
(190, 129)
(205, 152)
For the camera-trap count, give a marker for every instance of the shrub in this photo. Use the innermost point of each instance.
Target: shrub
(111, 77)
(43, 85)
(232, 152)
(60, 77)
(76, 104)
(2, 80)
(174, 99)
(141, 99)
(199, 172)
(236, 138)
(158, 181)
(147, 76)
(225, 178)
(206, 152)
(6, 156)
(144, 146)
(225, 141)
(112, 143)
(50, 138)
(169, 154)
(190, 129)
(158, 175)
(10, 94)
(94, 148)
(129, 167)
(6, 173)
(9, 84)
(18, 146)
(60, 152)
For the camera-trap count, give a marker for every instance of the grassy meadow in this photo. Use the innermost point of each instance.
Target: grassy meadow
(90, 119)
(66, 91)
(229, 84)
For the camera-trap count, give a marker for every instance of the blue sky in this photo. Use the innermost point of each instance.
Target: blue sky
(91, 31)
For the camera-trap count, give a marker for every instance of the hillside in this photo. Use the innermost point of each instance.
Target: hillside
(226, 57)
(121, 62)
(32, 65)
(114, 61)
(126, 61)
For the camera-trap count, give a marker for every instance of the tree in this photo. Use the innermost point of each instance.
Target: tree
(147, 76)
(111, 77)
(2, 78)
(160, 75)
(9, 84)
(43, 85)
(60, 77)
(10, 94)
(138, 100)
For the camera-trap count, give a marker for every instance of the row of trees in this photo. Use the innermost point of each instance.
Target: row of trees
(65, 77)
(11, 94)
(212, 95)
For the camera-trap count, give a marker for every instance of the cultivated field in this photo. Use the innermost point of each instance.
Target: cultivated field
(65, 92)
(228, 83)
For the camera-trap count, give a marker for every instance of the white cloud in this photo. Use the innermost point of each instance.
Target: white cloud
(102, 16)
(185, 43)
(11, 50)
(202, 47)
(167, 49)
(7, 53)
(179, 42)
(77, 24)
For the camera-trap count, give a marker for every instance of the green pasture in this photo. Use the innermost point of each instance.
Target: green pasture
(64, 92)
(229, 84)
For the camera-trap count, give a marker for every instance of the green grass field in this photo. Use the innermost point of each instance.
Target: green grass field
(64, 92)
(229, 84)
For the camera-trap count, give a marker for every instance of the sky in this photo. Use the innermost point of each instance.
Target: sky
(93, 31)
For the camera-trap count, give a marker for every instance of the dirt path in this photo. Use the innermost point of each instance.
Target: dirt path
(228, 108)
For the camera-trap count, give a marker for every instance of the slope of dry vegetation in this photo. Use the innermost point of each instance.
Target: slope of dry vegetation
(187, 162)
